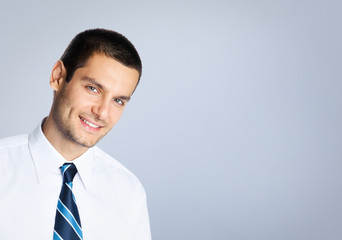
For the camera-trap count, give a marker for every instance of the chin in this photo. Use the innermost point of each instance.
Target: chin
(82, 141)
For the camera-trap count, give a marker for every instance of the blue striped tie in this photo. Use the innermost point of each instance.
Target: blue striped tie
(67, 223)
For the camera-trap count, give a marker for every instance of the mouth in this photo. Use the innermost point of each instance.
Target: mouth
(92, 125)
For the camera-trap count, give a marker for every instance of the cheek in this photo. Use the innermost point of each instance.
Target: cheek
(81, 102)
(115, 116)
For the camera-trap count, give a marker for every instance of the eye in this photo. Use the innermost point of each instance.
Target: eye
(119, 101)
(92, 89)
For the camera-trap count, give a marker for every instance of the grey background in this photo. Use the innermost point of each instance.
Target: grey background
(235, 130)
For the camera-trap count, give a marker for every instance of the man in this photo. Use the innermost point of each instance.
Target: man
(55, 183)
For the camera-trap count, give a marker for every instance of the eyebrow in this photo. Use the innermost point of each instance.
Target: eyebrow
(99, 85)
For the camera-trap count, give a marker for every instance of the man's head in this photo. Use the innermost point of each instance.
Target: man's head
(93, 82)
(103, 42)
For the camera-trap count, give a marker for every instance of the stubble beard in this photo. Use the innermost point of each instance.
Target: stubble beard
(64, 124)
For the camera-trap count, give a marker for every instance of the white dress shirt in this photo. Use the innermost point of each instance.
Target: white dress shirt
(110, 199)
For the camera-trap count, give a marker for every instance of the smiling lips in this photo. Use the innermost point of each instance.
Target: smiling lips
(89, 125)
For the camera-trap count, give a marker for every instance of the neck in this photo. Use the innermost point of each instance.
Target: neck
(67, 148)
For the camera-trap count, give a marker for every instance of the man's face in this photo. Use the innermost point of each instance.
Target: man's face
(86, 108)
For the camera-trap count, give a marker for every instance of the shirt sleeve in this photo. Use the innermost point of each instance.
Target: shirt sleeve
(142, 224)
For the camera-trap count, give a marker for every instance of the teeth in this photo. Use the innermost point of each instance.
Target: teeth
(89, 123)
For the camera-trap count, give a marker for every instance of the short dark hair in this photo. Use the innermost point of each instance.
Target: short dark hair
(99, 41)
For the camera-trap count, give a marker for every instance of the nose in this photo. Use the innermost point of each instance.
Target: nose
(101, 109)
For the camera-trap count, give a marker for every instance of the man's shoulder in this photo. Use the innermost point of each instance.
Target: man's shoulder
(114, 166)
(13, 141)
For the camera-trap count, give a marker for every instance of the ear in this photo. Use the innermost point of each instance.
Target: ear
(58, 76)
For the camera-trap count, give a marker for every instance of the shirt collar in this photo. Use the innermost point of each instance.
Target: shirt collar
(47, 159)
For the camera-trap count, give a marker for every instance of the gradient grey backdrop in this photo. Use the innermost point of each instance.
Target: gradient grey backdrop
(235, 130)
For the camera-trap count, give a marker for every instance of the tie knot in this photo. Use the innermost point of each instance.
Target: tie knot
(69, 171)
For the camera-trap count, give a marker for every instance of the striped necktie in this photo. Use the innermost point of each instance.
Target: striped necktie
(67, 223)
